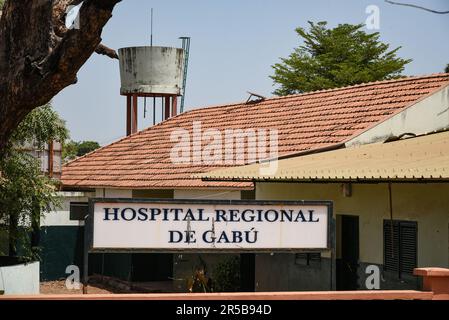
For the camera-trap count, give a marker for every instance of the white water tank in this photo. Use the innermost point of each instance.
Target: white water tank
(151, 70)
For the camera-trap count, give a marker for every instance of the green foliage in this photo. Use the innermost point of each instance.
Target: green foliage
(227, 275)
(329, 58)
(86, 147)
(200, 282)
(73, 149)
(4, 240)
(447, 68)
(26, 193)
(41, 125)
(69, 150)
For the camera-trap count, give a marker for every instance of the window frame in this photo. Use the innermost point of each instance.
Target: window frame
(398, 271)
(72, 216)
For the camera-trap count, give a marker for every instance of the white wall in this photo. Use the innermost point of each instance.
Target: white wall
(20, 279)
(428, 115)
(61, 216)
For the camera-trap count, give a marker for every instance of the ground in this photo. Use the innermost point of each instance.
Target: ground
(59, 287)
(107, 285)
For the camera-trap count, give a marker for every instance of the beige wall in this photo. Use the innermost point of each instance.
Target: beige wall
(114, 193)
(428, 204)
(207, 194)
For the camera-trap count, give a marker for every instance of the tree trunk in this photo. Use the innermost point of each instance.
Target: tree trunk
(13, 235)
(35, 230)
(39, 56)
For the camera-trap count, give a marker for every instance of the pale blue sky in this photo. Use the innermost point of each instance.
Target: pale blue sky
(234, 44)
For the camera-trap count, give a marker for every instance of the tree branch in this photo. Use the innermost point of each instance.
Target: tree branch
(416, 6)
(39, 56)
(102, 49)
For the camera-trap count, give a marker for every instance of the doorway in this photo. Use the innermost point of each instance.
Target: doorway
(247, 272)
(347, 265)
(148, 267)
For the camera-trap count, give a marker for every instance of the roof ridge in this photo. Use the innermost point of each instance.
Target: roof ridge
(367, 84)
(364, 84)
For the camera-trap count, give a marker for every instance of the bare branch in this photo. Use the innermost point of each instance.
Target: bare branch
(102, 49)
(416, 6)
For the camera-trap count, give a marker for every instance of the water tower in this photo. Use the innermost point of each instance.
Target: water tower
(158, 73)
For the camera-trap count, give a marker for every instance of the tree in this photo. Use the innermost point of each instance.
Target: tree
(69, 150)
(73, 149)
(26, 193)
(227, 275)
(329, 58)
(86, 147)
(39, 56)
(447, 68)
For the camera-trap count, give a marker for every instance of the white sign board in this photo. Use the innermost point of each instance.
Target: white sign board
(235, 225)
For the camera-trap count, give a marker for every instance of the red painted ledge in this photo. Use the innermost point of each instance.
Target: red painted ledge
(431, 272)
(435, 280)
(315, 295)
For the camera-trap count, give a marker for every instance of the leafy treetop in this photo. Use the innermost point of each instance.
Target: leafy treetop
(329, 58)
(39, 127)
(73, 149)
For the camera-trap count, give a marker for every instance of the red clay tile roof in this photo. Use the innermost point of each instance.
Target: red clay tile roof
(305, 121)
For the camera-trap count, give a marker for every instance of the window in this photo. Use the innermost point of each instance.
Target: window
(400, 247)
(78, 210)
(308, 259)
